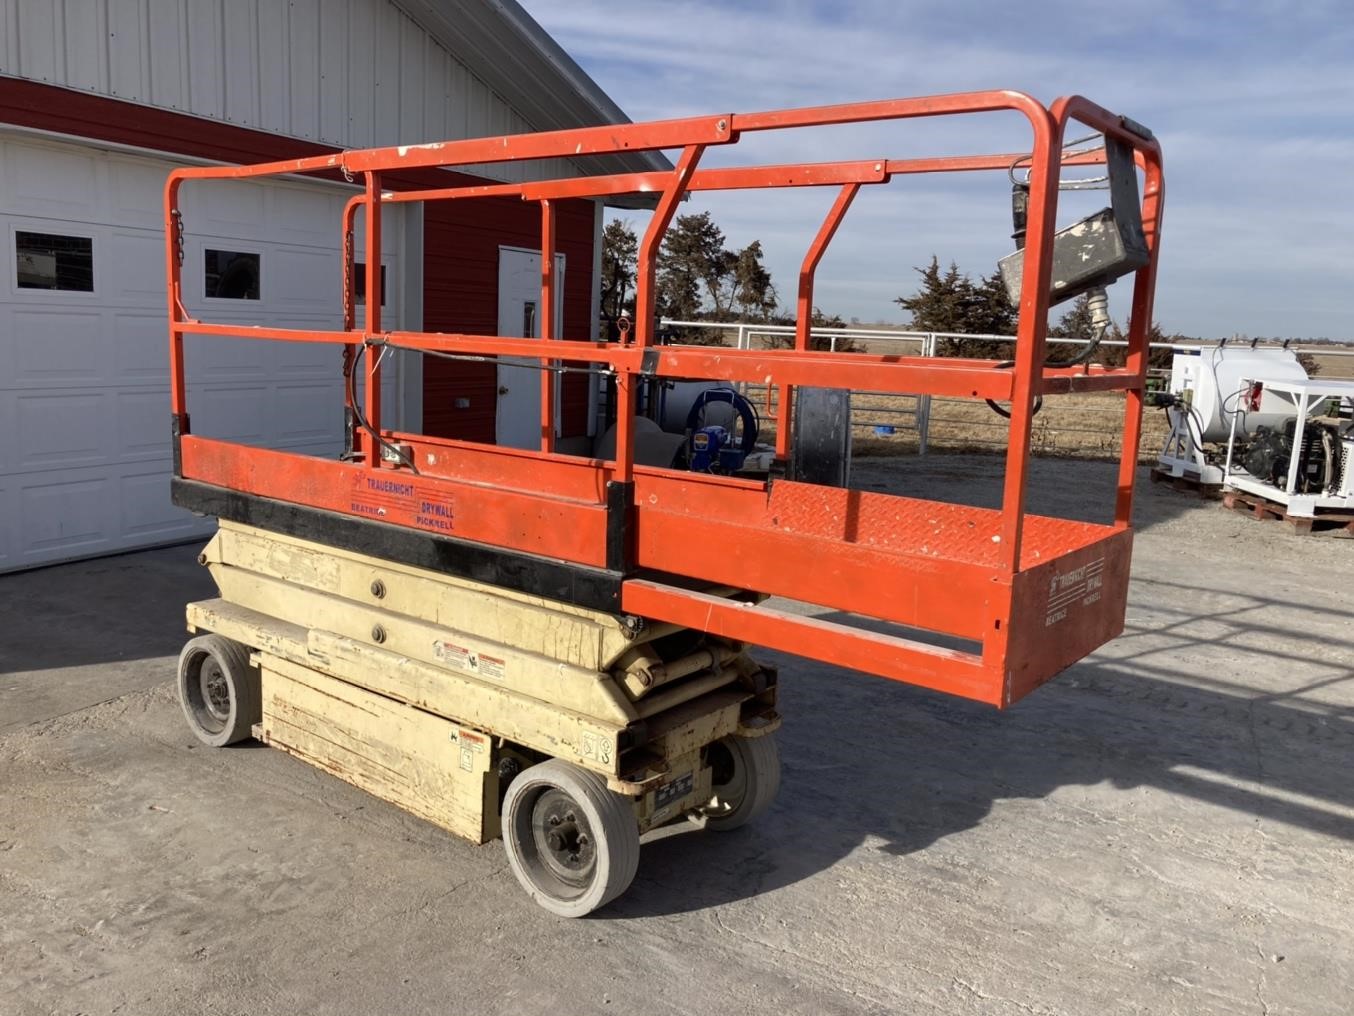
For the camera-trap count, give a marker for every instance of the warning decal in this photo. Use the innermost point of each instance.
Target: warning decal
(471, 744)
(466, 659)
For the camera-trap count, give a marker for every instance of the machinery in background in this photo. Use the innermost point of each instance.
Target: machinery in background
(1250, 420)
(714, 447)
(697, 425)
(722, 427)
(1205, 389)
(1302, 458)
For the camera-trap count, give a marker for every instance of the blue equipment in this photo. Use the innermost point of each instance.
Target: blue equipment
(710, 447)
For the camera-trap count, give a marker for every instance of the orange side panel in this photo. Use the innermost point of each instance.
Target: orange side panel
(931, 594)
(514, 468)
(1065, 609)
(552, 527)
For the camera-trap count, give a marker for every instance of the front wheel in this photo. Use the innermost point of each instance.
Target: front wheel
(219, 690)
(571, 842)
(744, 776)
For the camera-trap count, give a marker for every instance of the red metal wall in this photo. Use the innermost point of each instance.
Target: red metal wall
(461, 239)
(94, 117)
(460, 294)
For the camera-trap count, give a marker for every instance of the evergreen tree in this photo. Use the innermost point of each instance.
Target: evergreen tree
(990, 310)
(699, 278)
(753, 293)
(693, 262)
(1309, 363)
(1076, 322)
(1117, 356)
(844, 344)
(935, 307)
(953, 302)
(620, 261)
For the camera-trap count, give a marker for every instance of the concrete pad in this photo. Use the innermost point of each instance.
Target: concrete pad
(1168, 828)
(78, 634)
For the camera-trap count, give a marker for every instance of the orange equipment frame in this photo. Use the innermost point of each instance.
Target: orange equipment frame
(1030, 594)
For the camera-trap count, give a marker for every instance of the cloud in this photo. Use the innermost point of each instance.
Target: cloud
(1253, 103)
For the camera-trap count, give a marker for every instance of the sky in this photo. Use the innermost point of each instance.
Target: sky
(1253, 103)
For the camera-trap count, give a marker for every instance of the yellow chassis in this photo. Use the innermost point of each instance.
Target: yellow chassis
(431, 691)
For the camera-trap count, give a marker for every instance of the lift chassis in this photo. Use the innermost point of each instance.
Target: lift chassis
(448, 697)
(550, 647)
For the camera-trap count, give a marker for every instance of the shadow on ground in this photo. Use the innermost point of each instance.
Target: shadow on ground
(871, 765)
(127, 607)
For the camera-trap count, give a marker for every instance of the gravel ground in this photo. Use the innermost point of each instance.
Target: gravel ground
(1168, 828)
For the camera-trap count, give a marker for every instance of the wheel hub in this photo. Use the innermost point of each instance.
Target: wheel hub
(563, 838)
(729, 783)
(215, 689)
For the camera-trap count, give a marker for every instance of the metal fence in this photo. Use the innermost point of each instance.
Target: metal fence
(1072, 425)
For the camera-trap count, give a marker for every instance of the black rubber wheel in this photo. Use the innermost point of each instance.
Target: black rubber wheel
(219, 690)
(745, 776)
(572, 843)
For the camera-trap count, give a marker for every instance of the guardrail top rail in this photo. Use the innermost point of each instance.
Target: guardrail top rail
(1031, 594)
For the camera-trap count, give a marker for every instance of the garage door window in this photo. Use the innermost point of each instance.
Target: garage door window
(231, 274)
(360, 283)
(54, 261)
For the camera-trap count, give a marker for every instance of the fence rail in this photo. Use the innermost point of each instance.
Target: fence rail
(1069, 424)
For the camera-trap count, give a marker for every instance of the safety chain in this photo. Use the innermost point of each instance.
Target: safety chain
(347, 276)
(178, 232)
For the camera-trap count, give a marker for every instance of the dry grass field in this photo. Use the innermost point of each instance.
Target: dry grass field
(1334, 366)
(1077, 426)
(1082, 426)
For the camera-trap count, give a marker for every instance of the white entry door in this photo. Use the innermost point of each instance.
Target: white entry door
(517, 418)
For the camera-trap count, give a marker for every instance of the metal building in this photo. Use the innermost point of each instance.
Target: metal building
(98, 100)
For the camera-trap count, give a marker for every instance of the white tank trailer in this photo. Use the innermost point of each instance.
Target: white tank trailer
(1206, 387)
(1251, 421)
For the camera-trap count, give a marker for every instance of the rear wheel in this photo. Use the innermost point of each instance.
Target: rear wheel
(571, 842)
(219, 690)
(745, 777)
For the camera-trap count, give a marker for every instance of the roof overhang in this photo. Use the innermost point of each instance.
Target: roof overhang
(503, 46)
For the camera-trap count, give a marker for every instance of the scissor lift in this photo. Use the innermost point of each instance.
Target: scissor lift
(551, 647)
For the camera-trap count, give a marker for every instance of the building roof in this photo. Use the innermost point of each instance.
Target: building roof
(505, 47)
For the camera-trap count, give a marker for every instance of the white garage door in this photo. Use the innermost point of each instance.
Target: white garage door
(84, 401)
